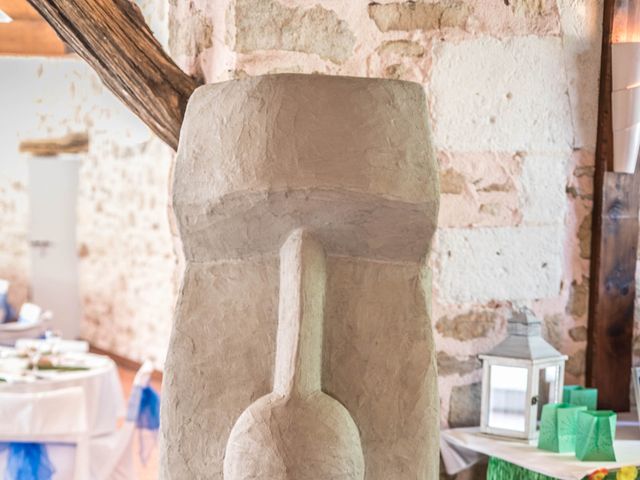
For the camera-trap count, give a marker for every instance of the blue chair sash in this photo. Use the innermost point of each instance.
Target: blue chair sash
(27, 461)
(9, 312)
(144, 411)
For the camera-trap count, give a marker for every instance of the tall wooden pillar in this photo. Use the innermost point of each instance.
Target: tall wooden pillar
(614, 246)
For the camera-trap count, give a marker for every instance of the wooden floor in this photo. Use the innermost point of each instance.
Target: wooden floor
(150, 470)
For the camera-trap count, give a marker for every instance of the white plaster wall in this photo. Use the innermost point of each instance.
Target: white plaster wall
(127, 264)
(126, 257)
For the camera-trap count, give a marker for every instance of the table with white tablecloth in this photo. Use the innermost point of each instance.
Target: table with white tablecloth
(100, 381)
(462, 447)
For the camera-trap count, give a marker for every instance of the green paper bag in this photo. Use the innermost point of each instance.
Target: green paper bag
(577, 395)
(595, 436)
(566, 392)
(558, 425)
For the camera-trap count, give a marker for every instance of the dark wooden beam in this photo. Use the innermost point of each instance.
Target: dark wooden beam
(46, 147)
(113, 37)
(614, 246)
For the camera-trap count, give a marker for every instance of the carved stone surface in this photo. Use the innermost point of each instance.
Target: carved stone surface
(297, 431)
(351, 161)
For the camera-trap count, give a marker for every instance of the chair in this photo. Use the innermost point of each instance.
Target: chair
(6, 311)
(29, 313)
(56, 420)
(112, 455)
(30, 324)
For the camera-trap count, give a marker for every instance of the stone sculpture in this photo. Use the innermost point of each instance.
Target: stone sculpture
(297, 420)
(339, 175)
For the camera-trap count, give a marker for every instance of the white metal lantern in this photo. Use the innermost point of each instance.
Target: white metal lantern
(520, 375)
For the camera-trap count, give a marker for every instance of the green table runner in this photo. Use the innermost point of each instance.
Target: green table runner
(501, 470)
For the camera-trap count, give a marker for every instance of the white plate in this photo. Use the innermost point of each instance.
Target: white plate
(14, 365)
(81, 360)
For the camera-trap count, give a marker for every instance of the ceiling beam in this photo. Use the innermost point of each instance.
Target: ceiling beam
(29, 37)
(113, 37)
(27, 33)
(19, 10)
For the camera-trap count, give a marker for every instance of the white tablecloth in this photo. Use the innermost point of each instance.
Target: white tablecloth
(101, 384)
(462, 447)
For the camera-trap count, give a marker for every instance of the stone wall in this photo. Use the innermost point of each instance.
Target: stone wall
(512, 89)
(127, 264)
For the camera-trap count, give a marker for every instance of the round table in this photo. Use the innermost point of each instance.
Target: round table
(101, 384)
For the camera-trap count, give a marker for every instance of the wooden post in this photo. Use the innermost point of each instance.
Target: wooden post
(614, 246)
(112, 36)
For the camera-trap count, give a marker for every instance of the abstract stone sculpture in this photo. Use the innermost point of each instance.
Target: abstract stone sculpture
(297, 420)
(339, 175)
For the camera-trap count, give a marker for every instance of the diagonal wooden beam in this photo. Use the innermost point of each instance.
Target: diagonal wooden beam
(113, 37)
(614, 247)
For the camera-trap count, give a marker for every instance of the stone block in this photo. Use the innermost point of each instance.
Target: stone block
(270, 25)
(584, 237)
(578, 334)
(576, 364)
(452, 182)
(480, 189)
(403, 48)
(543, 181)
(528, 7)
(581, 24)
(579, 298)
(501, 95)
(419, 16)
(553, 329)
(468, 326)
(449, 364)
(464, 406)
(511, 263)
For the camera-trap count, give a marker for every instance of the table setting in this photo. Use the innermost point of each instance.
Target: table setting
(53, 365)
(64, 415)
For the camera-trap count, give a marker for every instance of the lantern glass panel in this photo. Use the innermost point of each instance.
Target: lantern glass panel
(507, 397)
(548, 387)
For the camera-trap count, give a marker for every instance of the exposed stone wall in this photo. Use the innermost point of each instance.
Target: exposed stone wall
(512, 89)
(127, 264)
